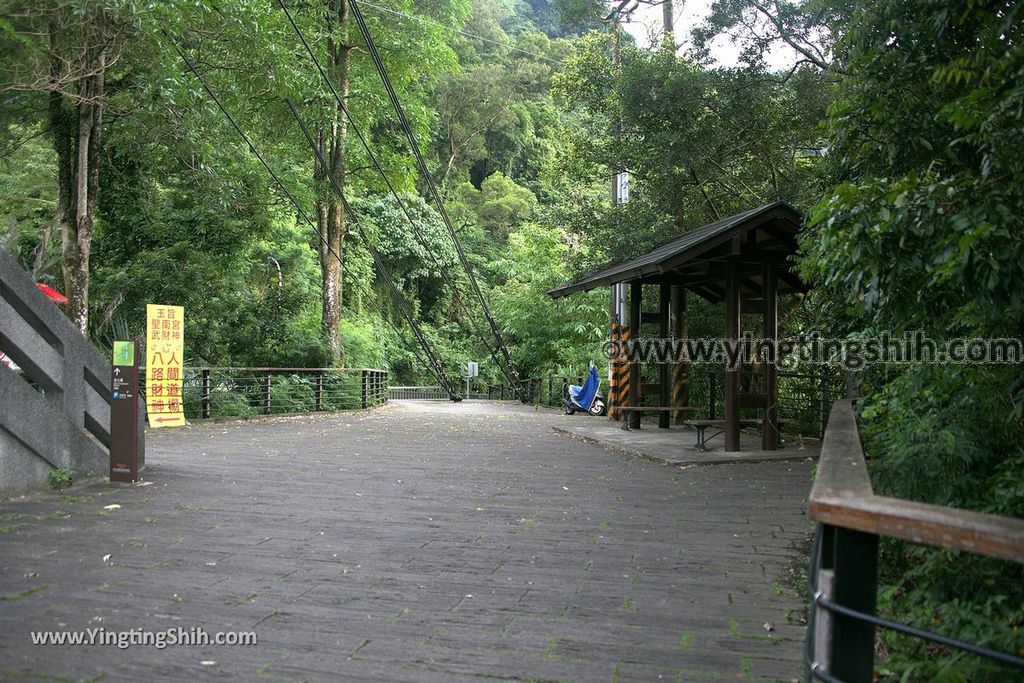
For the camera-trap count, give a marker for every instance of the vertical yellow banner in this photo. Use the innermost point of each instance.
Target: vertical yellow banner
(165, 353)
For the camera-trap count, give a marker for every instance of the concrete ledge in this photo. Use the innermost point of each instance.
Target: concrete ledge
(36, 438)
(675, 446)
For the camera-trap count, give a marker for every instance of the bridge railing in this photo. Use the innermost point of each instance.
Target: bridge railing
(805, 398)
(844, 562)
(222, 392)
(418, 393)
(546, 390)
(54, 411)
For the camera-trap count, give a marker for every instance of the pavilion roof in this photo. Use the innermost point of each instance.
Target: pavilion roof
(696, 260)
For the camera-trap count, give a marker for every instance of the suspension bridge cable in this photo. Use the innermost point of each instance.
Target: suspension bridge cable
(475, 287)
(380, 170)
(467, 34)
(506, 368)
(281, 186)
(425, 173)
(378, 261)
(295, 203)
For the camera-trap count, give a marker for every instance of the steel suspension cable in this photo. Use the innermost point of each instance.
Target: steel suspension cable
(508, 368)
(377, 165)
(424, 172)
(377, 260)
(442, 379)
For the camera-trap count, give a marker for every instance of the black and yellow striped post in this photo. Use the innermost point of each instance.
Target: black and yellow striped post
(618, 379)
(620, 370)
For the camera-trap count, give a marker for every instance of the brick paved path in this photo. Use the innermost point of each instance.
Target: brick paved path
(417, 542)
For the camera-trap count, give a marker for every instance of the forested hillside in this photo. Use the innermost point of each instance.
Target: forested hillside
(895, 126)
(181, 211)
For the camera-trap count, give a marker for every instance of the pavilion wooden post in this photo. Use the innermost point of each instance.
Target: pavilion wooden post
(613, 364)
(680, 374)
(770, 425)
(636, 290)
(664, 416)
(732, 335)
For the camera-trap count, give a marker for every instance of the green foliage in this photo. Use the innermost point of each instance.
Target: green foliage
(700, 144)
(363, 343)
(498, 205)
(922, 231)
(59, 479)
(28, 200)
(900, 125)
(547, 335)
(227, 404)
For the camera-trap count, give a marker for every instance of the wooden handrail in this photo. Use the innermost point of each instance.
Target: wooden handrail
(842, 496)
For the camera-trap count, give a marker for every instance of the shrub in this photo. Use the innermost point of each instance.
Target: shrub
(60, 479)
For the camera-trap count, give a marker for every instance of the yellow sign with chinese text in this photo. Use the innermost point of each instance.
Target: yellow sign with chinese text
(165, 351)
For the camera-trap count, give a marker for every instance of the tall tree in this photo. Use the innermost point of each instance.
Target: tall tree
(64, 53)
(331, 138)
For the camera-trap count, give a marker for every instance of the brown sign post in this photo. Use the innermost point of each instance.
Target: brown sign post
(125, 432)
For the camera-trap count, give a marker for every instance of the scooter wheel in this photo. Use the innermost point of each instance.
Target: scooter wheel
(570, 411)
(598, 408)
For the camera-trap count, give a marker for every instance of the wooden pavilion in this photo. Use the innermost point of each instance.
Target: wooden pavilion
(744, 262)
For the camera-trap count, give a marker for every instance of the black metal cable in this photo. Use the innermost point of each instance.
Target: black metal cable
(424, 172)
(973, 649)
(474, 36)
(378, 261)
(280, 184)
(818, 600)
(512, 374)
(380, 170)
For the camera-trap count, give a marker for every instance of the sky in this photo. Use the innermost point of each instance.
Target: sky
(647, 21)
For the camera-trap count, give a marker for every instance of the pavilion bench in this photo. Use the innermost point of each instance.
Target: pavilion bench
(702, 426)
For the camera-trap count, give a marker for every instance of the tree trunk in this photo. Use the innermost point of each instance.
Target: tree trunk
(329, 210)
(76, 121)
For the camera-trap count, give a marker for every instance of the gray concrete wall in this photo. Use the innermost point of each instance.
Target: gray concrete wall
(56, 412)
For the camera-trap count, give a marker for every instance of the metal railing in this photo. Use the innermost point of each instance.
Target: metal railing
(223, 392)
(421, 393)
(805, 398)
(546, 390)
(844, 564)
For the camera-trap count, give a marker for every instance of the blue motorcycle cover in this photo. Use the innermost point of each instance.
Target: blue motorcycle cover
(584, 396)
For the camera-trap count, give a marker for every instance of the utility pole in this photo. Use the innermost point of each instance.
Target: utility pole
(668, 18)
(620, 179)
(619, 318)
(618, 312)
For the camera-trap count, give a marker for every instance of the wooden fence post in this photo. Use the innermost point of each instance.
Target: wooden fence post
(855, 563)
(825, 403)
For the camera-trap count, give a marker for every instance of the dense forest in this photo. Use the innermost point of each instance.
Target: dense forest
(895, 127)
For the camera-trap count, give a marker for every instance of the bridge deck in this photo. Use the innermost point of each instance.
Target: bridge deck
(416, 542)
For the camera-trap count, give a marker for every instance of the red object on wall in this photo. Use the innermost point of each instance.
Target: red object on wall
(51, 293)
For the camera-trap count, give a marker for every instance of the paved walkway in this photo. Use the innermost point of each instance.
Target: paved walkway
(677, 445)
(416, 542)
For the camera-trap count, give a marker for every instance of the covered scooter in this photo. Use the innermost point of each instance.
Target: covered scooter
(587, 397)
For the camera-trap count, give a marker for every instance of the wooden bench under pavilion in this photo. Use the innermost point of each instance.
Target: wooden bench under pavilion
(744, 262)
